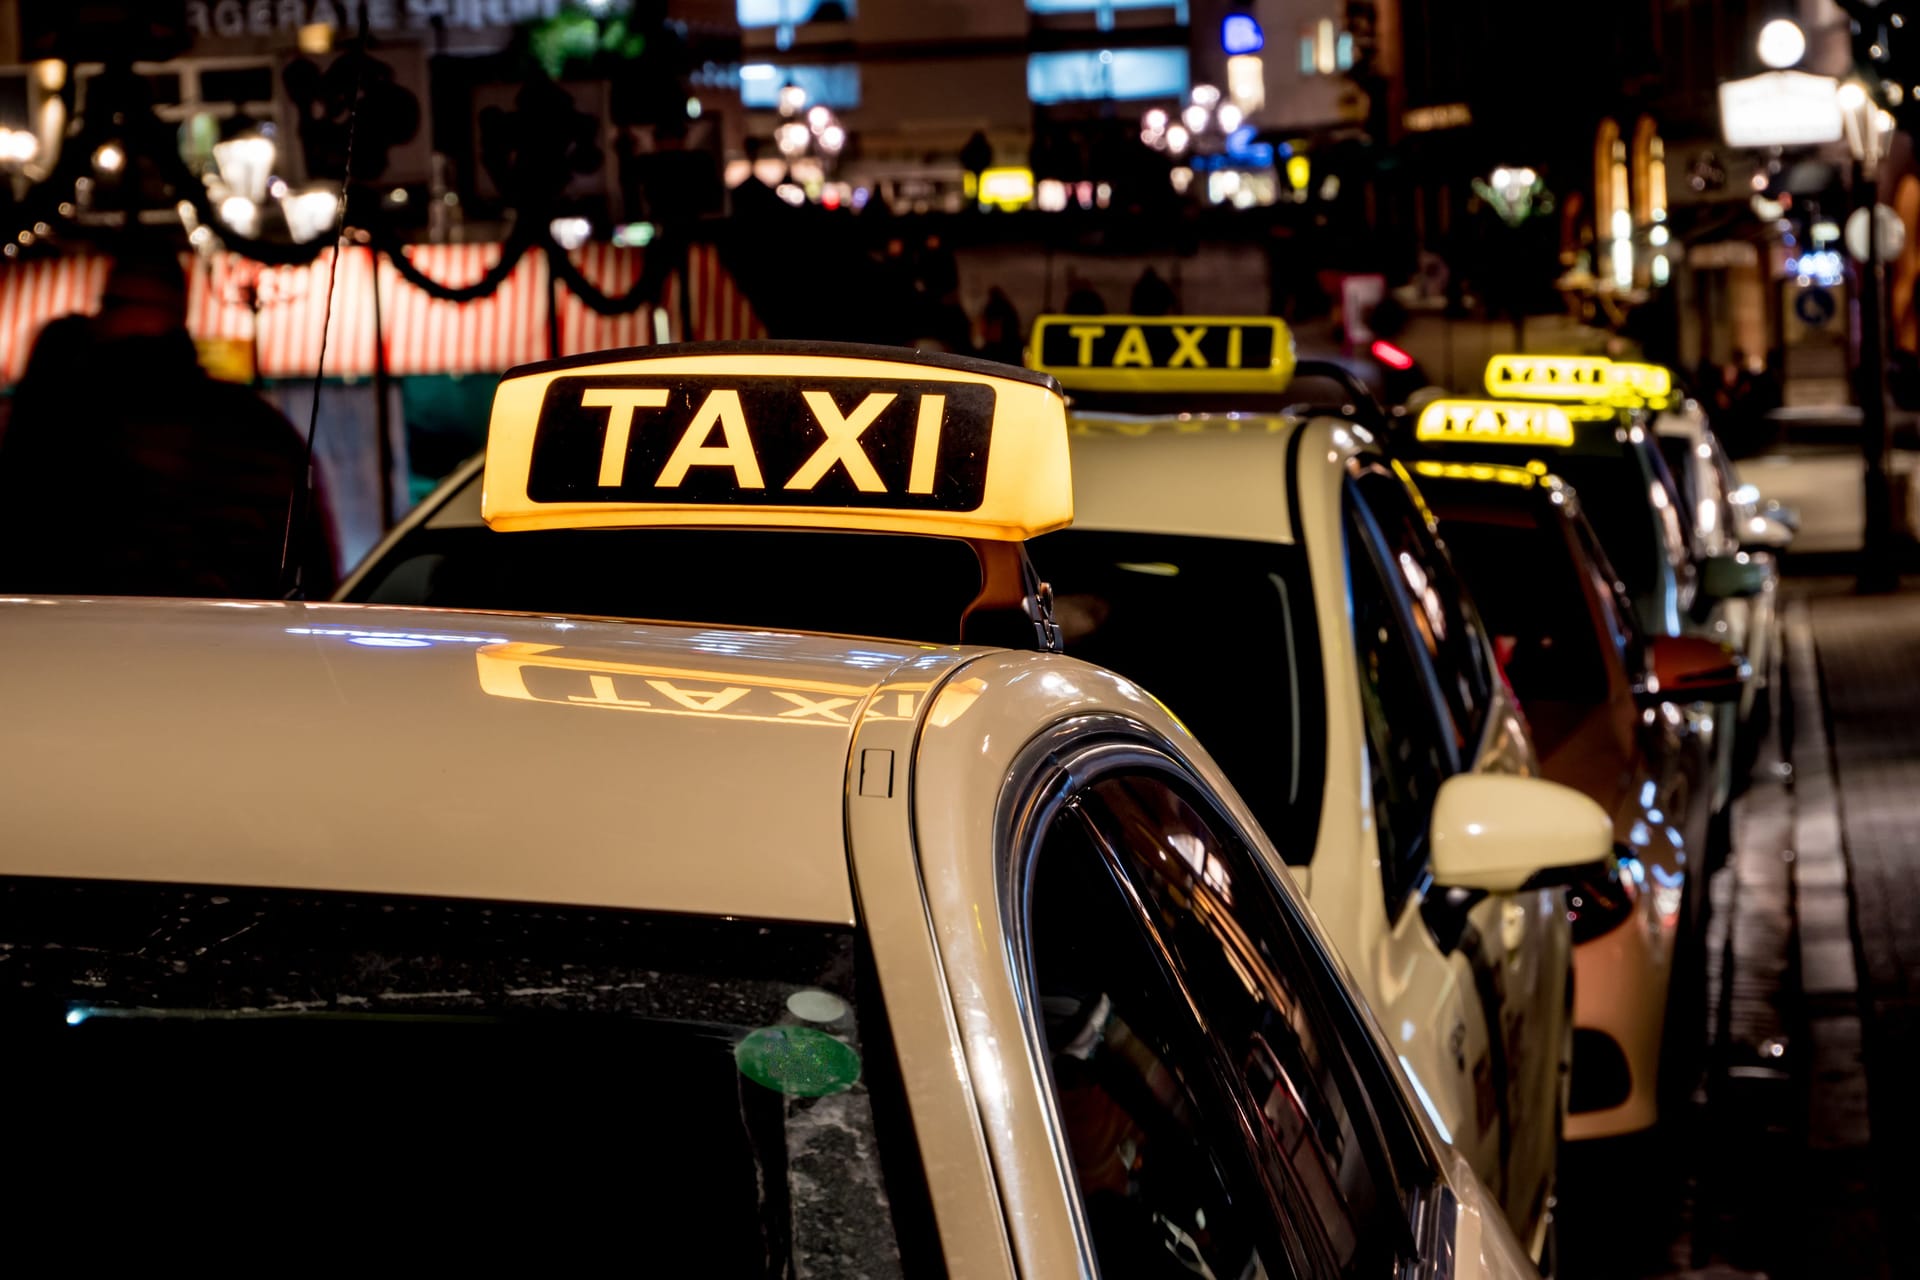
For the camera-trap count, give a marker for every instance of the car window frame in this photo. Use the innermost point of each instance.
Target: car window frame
(1475, 646)
(1401, 875)
(1052, 772)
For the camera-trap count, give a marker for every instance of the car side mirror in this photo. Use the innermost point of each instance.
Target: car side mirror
(1733, 577)
(1690, 669)
(1503, 832)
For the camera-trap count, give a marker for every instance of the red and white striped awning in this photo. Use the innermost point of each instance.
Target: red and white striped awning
(283, 309)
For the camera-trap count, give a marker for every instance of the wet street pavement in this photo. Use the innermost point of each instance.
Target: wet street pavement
(1790, 1157)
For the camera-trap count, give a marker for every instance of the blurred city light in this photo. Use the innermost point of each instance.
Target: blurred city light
(1241, 33)
(1782, 43)
(17, 146)
(241, 214)
(245, 164)
(570, 232)
(310, 214)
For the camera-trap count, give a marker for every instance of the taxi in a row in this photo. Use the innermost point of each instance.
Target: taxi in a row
(745, 949)
(1350, 692)
(1273, 579)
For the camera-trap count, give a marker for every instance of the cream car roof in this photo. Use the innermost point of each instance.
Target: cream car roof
(266, 744)
(1214, 475)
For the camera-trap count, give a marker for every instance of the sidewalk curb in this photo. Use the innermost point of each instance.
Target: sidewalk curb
(1840, 1183)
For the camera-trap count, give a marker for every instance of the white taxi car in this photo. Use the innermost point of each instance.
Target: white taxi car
(1349, 692)
(1681, 583)
(731, 951)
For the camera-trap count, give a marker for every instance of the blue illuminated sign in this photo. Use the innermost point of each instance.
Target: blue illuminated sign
(1239, 33)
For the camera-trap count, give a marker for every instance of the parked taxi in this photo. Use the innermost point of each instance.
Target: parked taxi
(1350, 693)
(1604, 704)
(739, 950)
(1589, 421)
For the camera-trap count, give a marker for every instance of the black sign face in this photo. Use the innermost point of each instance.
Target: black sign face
(1101, 343)
(762, 441)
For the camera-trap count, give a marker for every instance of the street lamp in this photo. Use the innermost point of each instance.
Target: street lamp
(1516, 195)
(1867, 128)
(807, 132)
(1204, 127)
(1204, 124)
(1782, 43)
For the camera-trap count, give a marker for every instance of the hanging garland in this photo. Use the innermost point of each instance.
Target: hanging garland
(148, 138)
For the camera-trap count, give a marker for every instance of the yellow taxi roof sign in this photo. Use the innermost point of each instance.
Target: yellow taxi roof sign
(1580, 380)
(1636, 382)
(1493, 422)
(1163, 353)
(1549, 377)
(779, 435)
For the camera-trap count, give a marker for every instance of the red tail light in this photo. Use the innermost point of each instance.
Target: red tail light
(1388, 354)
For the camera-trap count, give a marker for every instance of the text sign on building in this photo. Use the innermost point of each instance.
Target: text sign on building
(1780, 109)
(259, 19)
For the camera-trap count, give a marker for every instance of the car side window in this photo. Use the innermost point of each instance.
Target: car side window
(1168, 1189)
(1408, 752)
(1443, 617)
(1617, 609)
(1254, 1046)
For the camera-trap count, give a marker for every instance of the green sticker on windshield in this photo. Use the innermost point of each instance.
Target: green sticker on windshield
(802, 1062)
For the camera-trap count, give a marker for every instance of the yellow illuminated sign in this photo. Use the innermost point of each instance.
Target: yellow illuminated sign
(1549, 377)
(1520, 477)
(552, 674)
(1163, 353)
(779, 435)
(1493, 422)
(1007, 188)
(1593, 380)
(1633, 382)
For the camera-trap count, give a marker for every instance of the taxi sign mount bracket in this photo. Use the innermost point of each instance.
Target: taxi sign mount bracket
(1014, 608)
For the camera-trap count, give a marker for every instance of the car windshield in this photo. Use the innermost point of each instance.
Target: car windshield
(1145, 604)
(1527, 588)
(1630, 500)
(699, 1096)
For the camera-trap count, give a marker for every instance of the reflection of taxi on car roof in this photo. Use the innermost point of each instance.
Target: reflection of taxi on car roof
(1590, 426)
(1348, 690)
(857, 953)
(1601, 700)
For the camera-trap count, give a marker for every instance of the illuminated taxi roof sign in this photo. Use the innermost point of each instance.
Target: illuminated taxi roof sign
(1633, 381)
(1163, 353)
(1493, 422)
(1593, 380)
(1574, 378)
(779, 435)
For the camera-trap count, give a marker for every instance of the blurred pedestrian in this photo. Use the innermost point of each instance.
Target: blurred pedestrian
(1000, 329)
(127, 470)
(1083, 299)
(1152, 295)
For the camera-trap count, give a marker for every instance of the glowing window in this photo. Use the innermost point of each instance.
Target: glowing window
(835, 86)
(780, 13)
(1086, 75)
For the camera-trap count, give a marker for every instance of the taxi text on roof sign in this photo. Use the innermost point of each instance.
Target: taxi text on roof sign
(1649, 382)
(1579, 379)
(1493, 422)
(779, 435)
(1163, 353)
(1548, 377)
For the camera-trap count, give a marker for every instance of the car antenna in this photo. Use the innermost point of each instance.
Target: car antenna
(300, 496)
